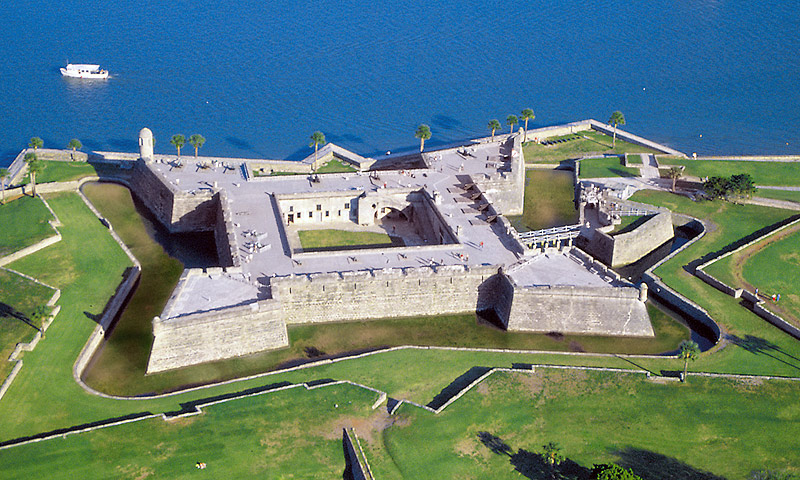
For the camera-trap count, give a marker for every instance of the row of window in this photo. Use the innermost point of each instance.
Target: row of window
(319, 208)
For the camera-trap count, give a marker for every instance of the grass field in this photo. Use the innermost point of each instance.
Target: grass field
(692, 431)
(55, 171)
(756, 347)
(330, 238)
(629, 223)
(772, 265)
(594, 143)
(19, 297)
(764, 173)
(548, 200)
(605, 167)
(335, 166)
(788, 195)
(17, 234)
(662, 431)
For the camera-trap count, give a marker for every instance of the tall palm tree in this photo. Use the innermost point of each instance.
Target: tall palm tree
(511, 120)
(675, 173)
(527, 114)
(617, 118)
(423, 133)
(197, 141)
(34, 167)
(494, 125)
(689, 350)
(3, 175)
(178, 141)
(316, 138)
(35, 143)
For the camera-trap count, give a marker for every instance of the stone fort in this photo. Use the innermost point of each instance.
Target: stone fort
(452, 250)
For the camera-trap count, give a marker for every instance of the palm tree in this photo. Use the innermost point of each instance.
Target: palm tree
(617, 118)
(494, 125)
(551, 454)
(511, 120)
(178, 141)
(675, 173)
(3, 175)
(197, 141)
(527, 114)
(35, 143)
(74, 144)
(423, 133)
(34, 167)
(689, 350)
(316, 138)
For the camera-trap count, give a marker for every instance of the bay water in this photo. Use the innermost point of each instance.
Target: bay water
(256, 78)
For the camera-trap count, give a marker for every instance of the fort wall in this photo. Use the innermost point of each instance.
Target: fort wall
(360, 295)
(506, 190)
(581, 310)
(625, 248)
(209, 336)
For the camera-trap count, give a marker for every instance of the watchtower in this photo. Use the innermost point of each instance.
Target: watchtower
(146, 143)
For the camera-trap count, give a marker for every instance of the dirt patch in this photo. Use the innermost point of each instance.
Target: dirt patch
(366, 428)
(135, 472)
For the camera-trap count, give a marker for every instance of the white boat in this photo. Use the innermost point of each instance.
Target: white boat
(82, 70)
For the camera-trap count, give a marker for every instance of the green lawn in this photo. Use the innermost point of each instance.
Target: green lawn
(591, 142)
(289, 434)
(336, 166)
(606, 167)
(693, 431)
(25, 222)
(629, 223)
(788, 195)
(773, 266)
(764, 173)
(19, 297)
(331, 238)
(548, 200)
(757, 346)
(55, 171)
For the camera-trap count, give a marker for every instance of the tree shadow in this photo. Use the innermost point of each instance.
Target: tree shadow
(443, 122)
(654, 466)
(621, 173)
(494, 443)
(531, 464)
(7, 310)
(760, 346)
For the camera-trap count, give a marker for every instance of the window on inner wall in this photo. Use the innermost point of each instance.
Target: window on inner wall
(327, 213)
(291, 208)
(319, 207)
(347, 205)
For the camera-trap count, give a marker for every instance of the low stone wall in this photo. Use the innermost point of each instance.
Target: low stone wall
(30, 249)
(355, 459)
(635, 139)
(362, 295)
(558, 130)
(757, 303)
(225, 234)
(227, 333)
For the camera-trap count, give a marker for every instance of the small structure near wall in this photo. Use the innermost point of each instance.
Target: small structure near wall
(146, 143)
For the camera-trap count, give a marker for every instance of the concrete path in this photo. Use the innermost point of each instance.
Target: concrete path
(650, 167)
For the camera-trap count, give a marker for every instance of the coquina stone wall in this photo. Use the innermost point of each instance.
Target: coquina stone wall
(578, 310)
(625, 248)
(228, 333)
(360, 295)
(177, 210)
(506, 190)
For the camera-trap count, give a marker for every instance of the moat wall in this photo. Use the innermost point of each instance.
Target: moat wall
(625, 248)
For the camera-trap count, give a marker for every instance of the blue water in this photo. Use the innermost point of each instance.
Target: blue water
(256, 78)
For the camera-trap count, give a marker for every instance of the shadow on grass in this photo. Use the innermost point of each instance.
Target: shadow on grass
(9, 312)
(456, 386)
(760, 346)
(654, 466)
(621, 173)
(533, 465)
